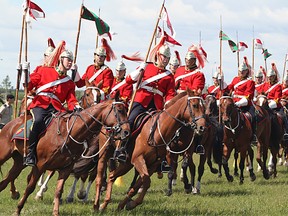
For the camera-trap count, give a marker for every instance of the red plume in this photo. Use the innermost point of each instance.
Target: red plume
(153, 53)
(54, 57)
(178, 56)
(198, 56)
(276, 71)
(135, 57)
(51, 43)
(248, 66)
(109, 52)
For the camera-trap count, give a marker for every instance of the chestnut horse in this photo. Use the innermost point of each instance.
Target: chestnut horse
(151, 146)
(238, 136)
(68, 133)
(277, 132)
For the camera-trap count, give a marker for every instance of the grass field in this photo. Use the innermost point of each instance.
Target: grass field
(218, 197)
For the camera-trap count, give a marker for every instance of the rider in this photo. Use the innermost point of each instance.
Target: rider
(174, 62)
(53, 87)
(190, 76)
(215, 89)
(157, 86)
(119, 84)
(244, 88)
(259, 81)
(99, 73)
(273, 90)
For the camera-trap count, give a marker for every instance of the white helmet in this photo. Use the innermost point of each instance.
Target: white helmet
(190, 55)
(271, 72)
(48, 51)
(67, 54)
(174, 61)
(101, 51)
(243, 67)
(259, 73)
(215, 75)
(165, 50)
(120, 66)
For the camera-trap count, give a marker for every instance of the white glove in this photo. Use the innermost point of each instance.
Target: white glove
(218, 102)
(242, 102)
(143, 66)
(74, 67)
(19, 66)
(25, 65)
(272, 104)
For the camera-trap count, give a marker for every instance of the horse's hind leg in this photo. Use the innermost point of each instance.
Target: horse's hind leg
(225, 158)
(12, 175)
(70, 196)
(251, 158)
(44, 187)
(34, 176)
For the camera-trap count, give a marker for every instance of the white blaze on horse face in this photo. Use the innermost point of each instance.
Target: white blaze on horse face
(95, 94)
(261, 101)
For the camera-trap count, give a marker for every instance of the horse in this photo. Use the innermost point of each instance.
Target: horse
(72, 130)
(91, 96)
(151, 146)
(238, 135)
(277, 132)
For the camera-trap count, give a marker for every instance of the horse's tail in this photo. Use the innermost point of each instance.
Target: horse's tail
(218, 146)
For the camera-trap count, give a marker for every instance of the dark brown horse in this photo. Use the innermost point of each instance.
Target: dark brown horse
(151, 146)
(71, 131)
(277, 132)
(238, 136)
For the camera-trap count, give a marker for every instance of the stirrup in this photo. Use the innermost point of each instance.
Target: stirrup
(200, 150)
(29, 161)
(254, 140)
(120, 155)
(285, 137)
(165, 167)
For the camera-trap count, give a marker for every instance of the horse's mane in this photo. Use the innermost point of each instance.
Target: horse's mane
(176, 98)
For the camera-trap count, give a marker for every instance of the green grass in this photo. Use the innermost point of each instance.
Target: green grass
(218, 197)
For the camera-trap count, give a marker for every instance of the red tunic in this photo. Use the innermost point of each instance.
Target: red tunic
(165, 85)
(106, 76)
(64, 91)
(259, 88)
(194, 81)
(214, 90)
(284, 92)
(274, 93)
(245, 89)
(125, 90)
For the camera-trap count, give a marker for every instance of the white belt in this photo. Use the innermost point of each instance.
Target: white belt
(153, 90)
(48, 94)
(238, 96)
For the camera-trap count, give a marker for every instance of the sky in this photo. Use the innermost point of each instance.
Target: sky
(134, 23)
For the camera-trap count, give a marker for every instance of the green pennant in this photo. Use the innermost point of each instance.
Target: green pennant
(266, 54)
(223, 36)
(101, 26)
(233, 46)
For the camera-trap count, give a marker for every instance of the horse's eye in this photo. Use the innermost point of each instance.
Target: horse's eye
(87, 95)
(195, 106)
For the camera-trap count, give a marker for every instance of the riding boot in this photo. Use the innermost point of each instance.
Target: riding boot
(120, 153)
(30, 159)
(285, 136)
(254, 137)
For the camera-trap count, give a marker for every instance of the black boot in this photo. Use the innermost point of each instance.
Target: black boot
(30, 159)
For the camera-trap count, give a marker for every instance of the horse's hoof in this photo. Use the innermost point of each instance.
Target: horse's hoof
(195, 191)
(81, 195)
(169, 193)
(241, 182)
(15, 195)
(219, 175)
(230, 178)
(38, 198)
(266, 175)
(131, 205)
(236, 174)
(69, 199)
(173, 182)
(214, 171)
(252, 177)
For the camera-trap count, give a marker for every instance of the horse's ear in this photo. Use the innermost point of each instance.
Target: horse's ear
(117, 95)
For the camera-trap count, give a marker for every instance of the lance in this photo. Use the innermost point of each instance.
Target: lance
(146, 58)
(221, 72)
(97, 36)
(284, 68)
(19, 69)
(78, 33)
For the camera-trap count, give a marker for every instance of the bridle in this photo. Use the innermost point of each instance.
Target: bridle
(96, 95)
(227, 124)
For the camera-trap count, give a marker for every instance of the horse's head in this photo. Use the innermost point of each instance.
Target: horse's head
(227, 107)
(196, 111)
(92, 95)
(115, 119)
(211, 105)
(262, 100)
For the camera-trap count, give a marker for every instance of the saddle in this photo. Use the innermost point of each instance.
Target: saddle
(140, 120)
(19, 134)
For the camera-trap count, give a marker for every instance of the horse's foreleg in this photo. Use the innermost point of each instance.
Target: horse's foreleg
(197, 189)
(236, 163)
(63, 175)
(250, 157)
(192, 169)
(34, 176)
(225, 158)
(185, 180)
(13, 173)
(44, 187)
(70, 196)
(122, 169)
(171, 174)
(242, 165)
